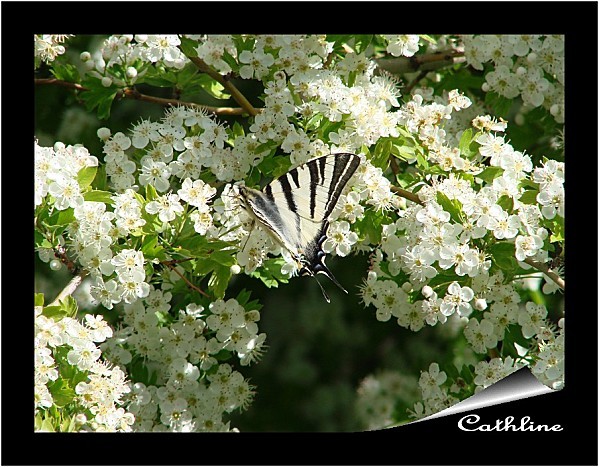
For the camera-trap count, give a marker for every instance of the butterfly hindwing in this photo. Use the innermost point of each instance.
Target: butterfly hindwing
(295, 207)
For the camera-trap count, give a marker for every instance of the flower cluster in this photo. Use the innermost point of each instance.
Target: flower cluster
(435, 393)
(378, 396)
(398, 45)
(68, 366)
(287, 53)
(56, 171)
(488, 373)
(549, 360)
(48, 46)
(529, 66)
(190, 388)
(123, 59)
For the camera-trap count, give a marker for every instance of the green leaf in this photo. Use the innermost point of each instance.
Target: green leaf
(452, 206)
(40, 241)
(274, 166)
(61, 392)
(219, 280)
(65, 72)
(188, 46)
(506, 202)
(500, 104)
(38, 299)
(361, 42)
(151, 249)
(99, 196)
(151, 193)
(86, 176)
(490, 174)
(138, 371)
(211, 86)
(465, 142)
(382, 151)
(62, 218)
(270, 273)
(503, 254)
(98, 97)
(529, 197)
(224, 258)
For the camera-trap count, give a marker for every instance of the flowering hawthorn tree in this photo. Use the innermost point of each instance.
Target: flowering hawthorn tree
(463, 229)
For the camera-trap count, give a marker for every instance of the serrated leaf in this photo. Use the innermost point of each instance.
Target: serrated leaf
(490, 174)
(61, 392)
(224, 258)
(65, 72)
(503, 254)
(98, 97)
(270, 273)
(274, 166)
(151, 249)
(211, 86)
(219, 280)
(452, 206)
(40, 241)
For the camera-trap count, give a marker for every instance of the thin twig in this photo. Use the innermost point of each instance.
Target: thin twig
(227, 84)
(131, 93)
(169, 264)
(70, 288)
(406, 194)
(425, 62)
(548, 272)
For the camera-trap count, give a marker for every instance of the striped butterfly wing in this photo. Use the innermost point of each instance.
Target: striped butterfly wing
(297, 206)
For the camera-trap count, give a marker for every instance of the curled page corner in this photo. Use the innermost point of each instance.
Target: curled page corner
(519, 385)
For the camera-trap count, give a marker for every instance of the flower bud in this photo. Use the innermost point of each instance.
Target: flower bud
(103, 133)
(480, 304)
(531, 58)
(55, 265)
(427, 291)
(85, 56)
(131, 72)
(106, 81)
(235, 269)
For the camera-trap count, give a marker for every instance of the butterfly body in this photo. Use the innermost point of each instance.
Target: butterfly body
(295, 208)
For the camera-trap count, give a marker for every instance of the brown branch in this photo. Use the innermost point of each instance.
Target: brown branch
(170, 265)
(226, 83)
(70, 288)
(426, 62)
(406, 194)
(548, 272)
(131, 93)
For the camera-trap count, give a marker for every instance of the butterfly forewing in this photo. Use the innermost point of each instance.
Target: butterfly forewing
(295, 207)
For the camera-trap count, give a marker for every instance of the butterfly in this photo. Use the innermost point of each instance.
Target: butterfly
(295, 208)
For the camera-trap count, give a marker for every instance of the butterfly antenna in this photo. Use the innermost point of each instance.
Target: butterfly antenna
(322, 268)
(326, 297)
